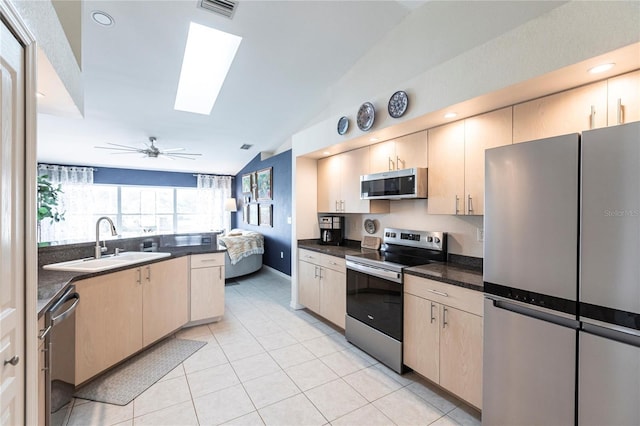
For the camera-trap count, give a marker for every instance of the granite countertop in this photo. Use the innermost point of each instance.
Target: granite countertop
(449, 273)
(51, 284)
(459, 274)
(350, 247)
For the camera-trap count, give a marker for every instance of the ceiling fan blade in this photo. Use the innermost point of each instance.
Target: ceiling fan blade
(128, 149)
(183, 153)
(122, 146)
(124, 152)
(182, 156)
(172, 149)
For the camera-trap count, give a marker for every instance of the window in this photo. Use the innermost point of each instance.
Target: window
(136, 210)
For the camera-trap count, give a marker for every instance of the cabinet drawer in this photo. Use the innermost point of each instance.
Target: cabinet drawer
(309, 256)
(447, 294)
(207, 260)
(333, 262)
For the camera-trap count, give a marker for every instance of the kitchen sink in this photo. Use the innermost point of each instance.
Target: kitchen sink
(106, 262)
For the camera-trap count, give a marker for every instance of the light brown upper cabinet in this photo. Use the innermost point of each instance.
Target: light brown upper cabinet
(446, 169)
(405, 152)
(624, 98)
(339, 184)
(480, 133)
(456, 161)
(575, 110)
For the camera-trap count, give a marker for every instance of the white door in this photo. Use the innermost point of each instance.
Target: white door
(12, 227)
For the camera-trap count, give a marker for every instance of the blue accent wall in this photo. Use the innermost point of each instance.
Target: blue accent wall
(114, 176)
(278, 238)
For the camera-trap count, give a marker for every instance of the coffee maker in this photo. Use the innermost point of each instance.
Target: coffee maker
(331, 230)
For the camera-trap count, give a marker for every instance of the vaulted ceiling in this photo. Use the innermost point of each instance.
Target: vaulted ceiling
(291, 53)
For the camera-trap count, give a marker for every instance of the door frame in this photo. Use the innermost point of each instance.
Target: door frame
(16, 25)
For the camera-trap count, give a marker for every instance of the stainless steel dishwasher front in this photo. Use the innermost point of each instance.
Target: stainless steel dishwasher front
(59, 338)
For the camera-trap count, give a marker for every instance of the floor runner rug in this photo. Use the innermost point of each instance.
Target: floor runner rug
(125, 382)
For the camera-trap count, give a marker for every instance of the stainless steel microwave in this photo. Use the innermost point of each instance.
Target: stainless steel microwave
(394, 185)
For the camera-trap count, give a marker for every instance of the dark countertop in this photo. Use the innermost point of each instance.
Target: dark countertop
(350, 247)
(52, 284)
(449, 273)
(458, 274)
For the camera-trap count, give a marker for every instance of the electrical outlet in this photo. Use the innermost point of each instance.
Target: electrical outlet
(281, 255)
(289, 220)
(480, 234)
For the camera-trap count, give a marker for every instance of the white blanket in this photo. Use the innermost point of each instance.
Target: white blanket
(240, 244)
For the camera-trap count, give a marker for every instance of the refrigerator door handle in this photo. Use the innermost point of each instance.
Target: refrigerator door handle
(629, 338)
(534, 313)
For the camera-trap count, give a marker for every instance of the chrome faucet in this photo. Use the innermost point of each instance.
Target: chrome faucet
(99, 250)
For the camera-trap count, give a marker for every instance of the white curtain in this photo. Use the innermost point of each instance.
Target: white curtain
(76, 197)
(212, 192)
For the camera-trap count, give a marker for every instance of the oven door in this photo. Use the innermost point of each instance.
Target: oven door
(375, 300)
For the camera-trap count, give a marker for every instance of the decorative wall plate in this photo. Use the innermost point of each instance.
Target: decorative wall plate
(398, 103)
(366, 116)
(370, 226)
(343, 125)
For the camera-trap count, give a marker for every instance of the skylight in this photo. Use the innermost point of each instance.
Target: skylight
(207, 59)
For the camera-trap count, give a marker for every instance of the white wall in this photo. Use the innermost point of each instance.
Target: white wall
(412, 214)
(568, 34)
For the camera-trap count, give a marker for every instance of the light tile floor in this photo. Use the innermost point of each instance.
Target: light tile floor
(267, 364)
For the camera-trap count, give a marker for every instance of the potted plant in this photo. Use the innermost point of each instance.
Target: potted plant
(48, 198)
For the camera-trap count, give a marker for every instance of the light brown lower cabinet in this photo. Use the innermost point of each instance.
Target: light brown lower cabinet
(443, 336)
(322, 285)
(108, 321)
(207, 286)
(120, 313)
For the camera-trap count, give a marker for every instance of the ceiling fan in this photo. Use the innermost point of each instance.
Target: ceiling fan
(151, 150)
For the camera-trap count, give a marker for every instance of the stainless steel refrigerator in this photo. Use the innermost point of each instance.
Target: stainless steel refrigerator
(562, 280)
(609, 309)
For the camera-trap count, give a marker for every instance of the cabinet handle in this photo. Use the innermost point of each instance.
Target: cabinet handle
(444, 317)
(620, 112)
(220, 273)
(337, 206)
(148, 273)
(433, 318)
(592, 117)
(320, 273)
(398, 160)
(457, 199)
(441, 293)
(391, 165)
(315, 272)
(139, 280)
(13, 361)
(469, 204)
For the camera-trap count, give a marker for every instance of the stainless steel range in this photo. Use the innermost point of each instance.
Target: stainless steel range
(375, 290)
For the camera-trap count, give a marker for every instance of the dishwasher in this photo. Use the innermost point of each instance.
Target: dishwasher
(59, 344)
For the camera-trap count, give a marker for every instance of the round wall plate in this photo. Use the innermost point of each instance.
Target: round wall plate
(398, 104)
(366, 116)
(343, 125)
(370, 226)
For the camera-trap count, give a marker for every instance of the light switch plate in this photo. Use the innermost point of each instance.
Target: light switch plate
(480, 234)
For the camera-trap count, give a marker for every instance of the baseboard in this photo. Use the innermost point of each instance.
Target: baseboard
(275, 271)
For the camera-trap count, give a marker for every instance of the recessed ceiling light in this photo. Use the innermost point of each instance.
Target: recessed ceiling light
(601, 68)
(326, 153)
(102, 18)
(373, 139)
(207, 59)
(451, 115)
